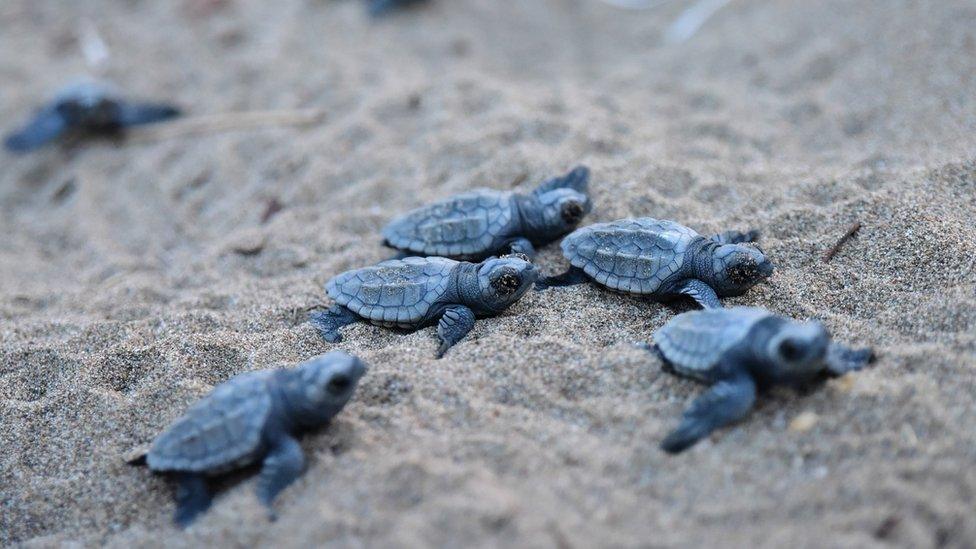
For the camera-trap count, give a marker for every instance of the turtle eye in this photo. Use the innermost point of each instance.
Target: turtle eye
(506, 283)
(571, 212)
(338, 384)
(790, 351)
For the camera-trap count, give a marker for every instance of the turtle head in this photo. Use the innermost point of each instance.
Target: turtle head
(504, 280)
(560, 211)
(324, 385)
(797, 350)
(737, 267)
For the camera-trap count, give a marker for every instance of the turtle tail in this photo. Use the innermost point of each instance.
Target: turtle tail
(137, 460)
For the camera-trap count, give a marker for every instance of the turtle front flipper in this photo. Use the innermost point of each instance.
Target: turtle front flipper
(192, 498)
(521, 246)
(572, 277)
(700, 292)
(841, 359)
(329, 322)
(45, 127)
(727, 401)
(736, 237)
(283, 464)
(134, 114)
(456, 322)
(578, 179)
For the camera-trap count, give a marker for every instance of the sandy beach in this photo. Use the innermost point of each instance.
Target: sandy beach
(136, 275)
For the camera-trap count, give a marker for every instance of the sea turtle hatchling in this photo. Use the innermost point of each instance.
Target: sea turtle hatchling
(737, 350)
(415, 292)
(252, 418)
(86, 107)
(662, 260)
(485, 222)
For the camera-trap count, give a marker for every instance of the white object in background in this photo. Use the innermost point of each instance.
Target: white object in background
(93, 47)
(692, 19)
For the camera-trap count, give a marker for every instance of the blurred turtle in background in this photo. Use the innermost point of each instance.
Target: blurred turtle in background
(85, 108)
(379, 8)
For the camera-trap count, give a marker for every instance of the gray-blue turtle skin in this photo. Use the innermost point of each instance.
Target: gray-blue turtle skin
(85, 108)
(662, 260)
(415, 292)
(738, 351)
(379, 8)
(252, 418)
(484, 222)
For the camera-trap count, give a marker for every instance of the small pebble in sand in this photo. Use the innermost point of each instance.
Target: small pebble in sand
(804, 422)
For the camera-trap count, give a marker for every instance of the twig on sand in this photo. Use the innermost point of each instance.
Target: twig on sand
(272, 207)
(847, 236)
(227, 122)
(519, 179)
(692, 19)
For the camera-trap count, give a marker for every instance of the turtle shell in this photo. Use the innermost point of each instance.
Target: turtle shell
(694, 342)
(399, 292)
(220, 432)
(636, 256)
(472, 224)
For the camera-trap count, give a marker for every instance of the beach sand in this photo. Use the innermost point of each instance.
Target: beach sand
(135, 276)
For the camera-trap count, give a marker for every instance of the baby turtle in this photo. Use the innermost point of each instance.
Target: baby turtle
(737, 349)
(415, 292)
(484, 222)
(378, 8)
(662, 260)
(251, 418)
(87, 107)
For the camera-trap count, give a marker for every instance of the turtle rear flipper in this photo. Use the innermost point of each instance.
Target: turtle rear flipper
(578, 180)
(329, 322)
